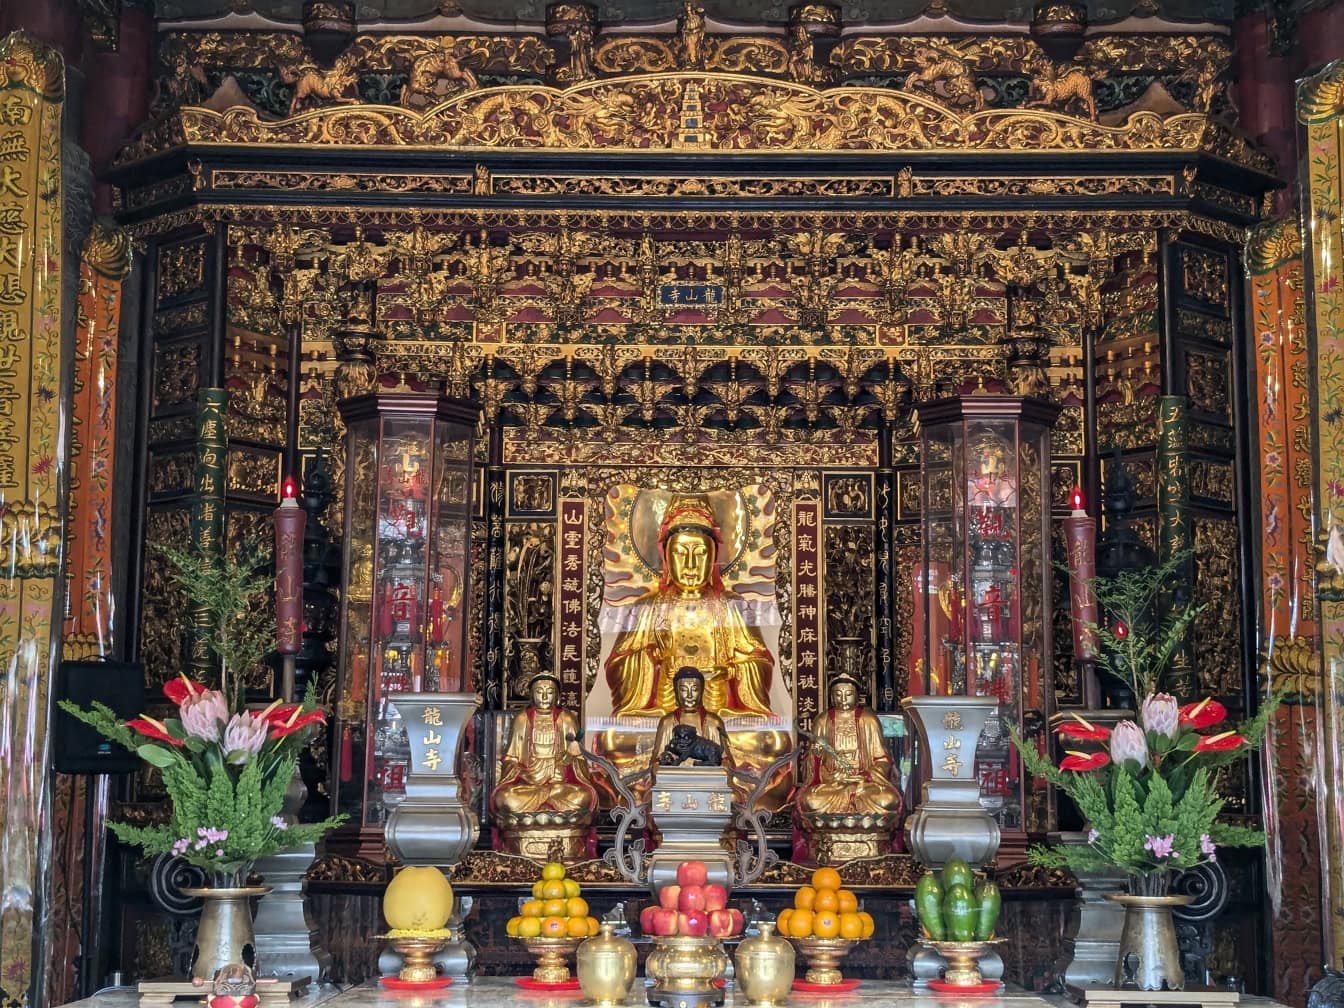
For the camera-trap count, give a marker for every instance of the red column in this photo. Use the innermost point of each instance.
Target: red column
(1265, 94)
(55, 22)
(116, 95)
(1320, 37)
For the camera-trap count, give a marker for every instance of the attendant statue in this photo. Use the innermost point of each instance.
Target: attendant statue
(846, 770)
(543, 770)
(689, 620)
(671, 742)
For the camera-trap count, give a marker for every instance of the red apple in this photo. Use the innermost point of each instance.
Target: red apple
(716, 897)
(692, 873)
(694, 923)
(738, 922)
(692, 897)
(667, 896)
(720, 923)
(646, 918)
(664, 921)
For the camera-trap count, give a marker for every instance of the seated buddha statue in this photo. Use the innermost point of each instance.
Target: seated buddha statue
(846, 774)
(688, 687)
(689, 620)
(543, 778)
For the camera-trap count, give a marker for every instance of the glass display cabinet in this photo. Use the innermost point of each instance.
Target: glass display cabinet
(983, 588)
(408, 493)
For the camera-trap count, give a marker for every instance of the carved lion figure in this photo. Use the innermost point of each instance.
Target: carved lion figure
(429, 69)
(938, 66)
(1050, 88)
(311, 82)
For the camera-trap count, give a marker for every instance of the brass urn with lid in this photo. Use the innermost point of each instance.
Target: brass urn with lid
(764, 967)
(607, 966)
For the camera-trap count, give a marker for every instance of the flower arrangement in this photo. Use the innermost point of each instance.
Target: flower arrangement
(1146, 786)
(226, 768)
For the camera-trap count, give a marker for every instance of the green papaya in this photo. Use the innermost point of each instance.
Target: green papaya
(957, 872)
(929, 906)
(989, 903)
(959, 913)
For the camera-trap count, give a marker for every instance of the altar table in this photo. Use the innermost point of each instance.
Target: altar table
(502, 992)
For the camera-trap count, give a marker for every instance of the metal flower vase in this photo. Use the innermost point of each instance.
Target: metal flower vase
(1150, 956)
(224, 934)
(433, 825)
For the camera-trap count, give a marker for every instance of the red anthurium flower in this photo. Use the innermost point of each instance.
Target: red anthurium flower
(181, 689)
(1205, 714)
(296, 720)
(1082, 762)
(150, 728)
(1221, 742)
(1080, 728)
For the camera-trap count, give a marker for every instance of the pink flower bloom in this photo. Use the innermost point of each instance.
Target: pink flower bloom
(243, 738)
(1128, 742)
(1161, 714)
(204, 715)
(1161, 846)
(1093, 836)
(1207, 847)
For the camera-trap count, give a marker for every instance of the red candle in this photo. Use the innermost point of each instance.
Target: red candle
(1080, 537)
(289, 522)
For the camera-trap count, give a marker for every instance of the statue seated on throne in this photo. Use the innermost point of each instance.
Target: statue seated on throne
(544, 799)
(847, 805)
(689, 632)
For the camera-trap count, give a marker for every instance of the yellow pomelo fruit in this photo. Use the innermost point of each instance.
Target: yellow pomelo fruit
(418, 899)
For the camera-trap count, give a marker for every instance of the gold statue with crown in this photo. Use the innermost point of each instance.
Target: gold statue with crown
(690, 619)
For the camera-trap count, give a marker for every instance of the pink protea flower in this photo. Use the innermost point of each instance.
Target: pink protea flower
(1161, 714)
(204, 715)
(1128, 742)
(243, 738)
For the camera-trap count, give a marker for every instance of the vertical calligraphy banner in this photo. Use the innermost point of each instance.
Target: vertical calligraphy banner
(207, 517)
(1174, 535)
(807, 611)
(569, 603)
(33, 481)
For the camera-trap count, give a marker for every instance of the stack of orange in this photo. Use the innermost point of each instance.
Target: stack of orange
(556, 910)
(824, 910)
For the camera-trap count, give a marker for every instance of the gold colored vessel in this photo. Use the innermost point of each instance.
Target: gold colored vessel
(417, 954)
(963, 958)
(764, 967)
(684, 969)
(552, 955)
(607, 967)
(823, 957)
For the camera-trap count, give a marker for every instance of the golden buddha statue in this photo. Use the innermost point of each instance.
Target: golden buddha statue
(689, 619)
(542, 769)
(847, 773)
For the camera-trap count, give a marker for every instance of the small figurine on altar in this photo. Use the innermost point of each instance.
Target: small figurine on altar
(233, 987)
(543, 769)
(688, 686)
(988, 482)
(847, 770)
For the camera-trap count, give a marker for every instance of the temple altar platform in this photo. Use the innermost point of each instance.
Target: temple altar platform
(497, 992)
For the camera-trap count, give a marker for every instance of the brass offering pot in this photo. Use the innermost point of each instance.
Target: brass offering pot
(224, 934)
(417, 952)
(552, 955)
(764, 967)
(963, 959)
(823, 957)
(607, 967)
(1149, 955)
(684, 969)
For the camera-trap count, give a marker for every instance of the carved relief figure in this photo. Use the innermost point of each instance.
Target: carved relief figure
(1051, 89)
(939, 66)
(428, 70)
(846, 771)
(689, 619)
(311, 82)
(542, 769)
(690, 39)
(802, 57)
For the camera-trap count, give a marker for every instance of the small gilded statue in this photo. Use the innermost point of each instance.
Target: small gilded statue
(846, 772)
(690, 731)
(233, 987)
(543, 769)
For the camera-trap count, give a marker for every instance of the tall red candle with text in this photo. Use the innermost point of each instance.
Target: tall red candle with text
(1080, 540)
(289, 522)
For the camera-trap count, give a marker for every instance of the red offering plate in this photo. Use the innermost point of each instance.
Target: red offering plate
(803, 987)
(527, 983)
(943, 987)
(398, 984)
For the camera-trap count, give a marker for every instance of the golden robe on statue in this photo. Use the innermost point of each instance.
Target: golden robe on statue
(689, 619)
(847, 773)
(538, 773)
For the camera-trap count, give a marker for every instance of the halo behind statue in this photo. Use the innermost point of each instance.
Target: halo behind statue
(730, 513)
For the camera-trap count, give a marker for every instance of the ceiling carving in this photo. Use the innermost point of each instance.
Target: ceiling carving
(611, 12)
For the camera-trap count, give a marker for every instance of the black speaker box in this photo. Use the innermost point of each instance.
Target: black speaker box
(76, 748)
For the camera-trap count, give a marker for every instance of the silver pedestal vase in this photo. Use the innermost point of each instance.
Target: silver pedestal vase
(433, 825)
(1150, 957)
(950, 821)
(225, 934)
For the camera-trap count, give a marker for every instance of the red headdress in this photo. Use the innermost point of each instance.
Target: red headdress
(691, 512)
